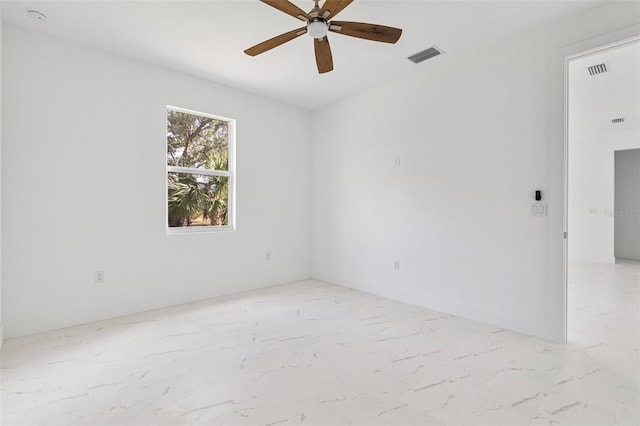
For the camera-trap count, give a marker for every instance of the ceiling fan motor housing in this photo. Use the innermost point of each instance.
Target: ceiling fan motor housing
(317, 27)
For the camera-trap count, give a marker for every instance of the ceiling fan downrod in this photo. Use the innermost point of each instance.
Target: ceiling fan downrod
(317, 26)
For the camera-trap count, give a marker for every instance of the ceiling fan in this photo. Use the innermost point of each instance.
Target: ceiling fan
(319, 21)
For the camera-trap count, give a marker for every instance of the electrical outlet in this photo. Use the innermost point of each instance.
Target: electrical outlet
(98, 277)
(267, 256)
(396, 161)
(396, 265)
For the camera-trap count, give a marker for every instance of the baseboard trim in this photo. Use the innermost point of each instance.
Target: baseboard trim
(40, 324)
(448, 306)
(609, 260)
(629, 261)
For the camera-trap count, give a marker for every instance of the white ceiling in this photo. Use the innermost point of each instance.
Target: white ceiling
(596, 100)
(207, 38)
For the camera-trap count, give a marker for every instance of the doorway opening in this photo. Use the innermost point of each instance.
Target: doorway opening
(603, 190)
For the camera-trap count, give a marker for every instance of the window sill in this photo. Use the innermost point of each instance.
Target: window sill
(199, 230)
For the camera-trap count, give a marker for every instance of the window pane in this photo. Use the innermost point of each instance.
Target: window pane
(197, 200)
(197, 142)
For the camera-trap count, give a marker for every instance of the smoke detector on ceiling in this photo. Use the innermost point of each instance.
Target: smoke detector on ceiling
(36, 15)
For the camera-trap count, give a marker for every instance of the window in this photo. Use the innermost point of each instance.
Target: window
(200, 180)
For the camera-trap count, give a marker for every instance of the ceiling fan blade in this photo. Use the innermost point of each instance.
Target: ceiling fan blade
(367, 31)
(288, 8)
(275, 42)
(324, 60)
(333, 7)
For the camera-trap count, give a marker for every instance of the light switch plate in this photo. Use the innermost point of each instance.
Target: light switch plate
(539, 209)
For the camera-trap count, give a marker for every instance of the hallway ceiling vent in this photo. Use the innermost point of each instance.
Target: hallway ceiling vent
(598, 69)
(617, 120)
(425, 54)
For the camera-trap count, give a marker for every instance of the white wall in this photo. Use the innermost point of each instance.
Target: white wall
(591, 193)
(1, 101)
(477, 134)
(84, 188)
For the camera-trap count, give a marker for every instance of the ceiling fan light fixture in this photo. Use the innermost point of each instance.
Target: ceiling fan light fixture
(317, 28)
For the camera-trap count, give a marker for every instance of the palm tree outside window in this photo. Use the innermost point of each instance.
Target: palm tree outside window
(199, 171)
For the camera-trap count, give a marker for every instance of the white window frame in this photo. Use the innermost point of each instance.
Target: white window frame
(230, 174)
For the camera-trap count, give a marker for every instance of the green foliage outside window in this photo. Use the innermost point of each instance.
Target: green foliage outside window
(201, 143)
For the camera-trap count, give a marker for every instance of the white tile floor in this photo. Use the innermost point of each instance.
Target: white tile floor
(317, 354)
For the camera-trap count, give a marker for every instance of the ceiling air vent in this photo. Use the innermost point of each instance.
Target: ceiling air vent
(425, 54)
(598, 69)
(617, 120)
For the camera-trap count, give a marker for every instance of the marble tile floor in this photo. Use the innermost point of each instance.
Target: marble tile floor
(313, 353)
